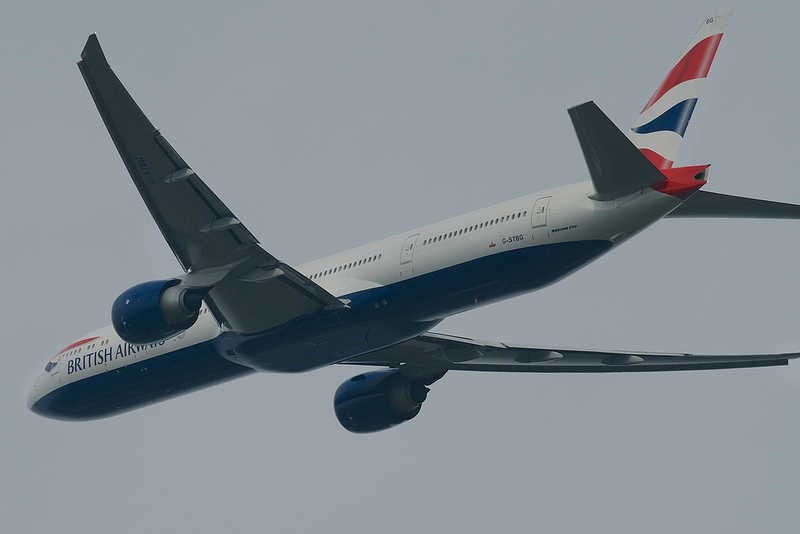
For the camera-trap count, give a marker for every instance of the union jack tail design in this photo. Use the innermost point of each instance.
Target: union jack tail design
(659, 129)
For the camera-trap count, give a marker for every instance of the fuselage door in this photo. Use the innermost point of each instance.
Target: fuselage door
(539, 213)
(408, 249)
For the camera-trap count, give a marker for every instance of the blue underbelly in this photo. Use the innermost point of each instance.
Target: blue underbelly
(436, 295)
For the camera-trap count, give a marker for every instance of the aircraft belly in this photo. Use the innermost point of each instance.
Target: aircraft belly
(318, 342)
(384, 316)
(477, 282)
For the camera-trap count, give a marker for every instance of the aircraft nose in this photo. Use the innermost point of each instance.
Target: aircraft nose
(32, 396)
(39, 389)
(50, 398)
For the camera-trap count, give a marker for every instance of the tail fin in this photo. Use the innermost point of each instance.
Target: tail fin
(659, 129)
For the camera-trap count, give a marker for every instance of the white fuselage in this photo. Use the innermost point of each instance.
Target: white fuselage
(495, 240)
(570, 215)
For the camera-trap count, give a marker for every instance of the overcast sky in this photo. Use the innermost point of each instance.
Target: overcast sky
(326, 126)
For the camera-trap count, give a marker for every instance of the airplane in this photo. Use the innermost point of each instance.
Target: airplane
(236, 309)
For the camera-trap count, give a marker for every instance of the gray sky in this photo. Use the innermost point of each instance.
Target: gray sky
(326, 126)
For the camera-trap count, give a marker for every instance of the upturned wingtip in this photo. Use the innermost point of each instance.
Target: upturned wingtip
(92, 52)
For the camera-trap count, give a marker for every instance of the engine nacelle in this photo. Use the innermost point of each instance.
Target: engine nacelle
(378, 400)
(154, 311)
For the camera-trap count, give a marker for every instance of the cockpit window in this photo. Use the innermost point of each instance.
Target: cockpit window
(52, 364)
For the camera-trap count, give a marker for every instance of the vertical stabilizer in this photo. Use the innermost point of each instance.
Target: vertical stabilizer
(659, 129)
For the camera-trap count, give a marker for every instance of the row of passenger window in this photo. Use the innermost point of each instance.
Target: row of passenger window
(88, 347)
(486, 224)
(454, 233)
(346, 266)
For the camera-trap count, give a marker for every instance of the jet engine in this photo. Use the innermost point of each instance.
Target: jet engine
(154, 311)
(379, 400)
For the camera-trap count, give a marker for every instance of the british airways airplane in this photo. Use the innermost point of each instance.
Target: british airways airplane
(236, 309)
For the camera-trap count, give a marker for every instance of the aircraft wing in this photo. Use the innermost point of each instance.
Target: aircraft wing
(252, 290)
(431, 354)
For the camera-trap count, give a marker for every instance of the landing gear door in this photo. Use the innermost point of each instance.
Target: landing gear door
(408, 249)
(539, 213)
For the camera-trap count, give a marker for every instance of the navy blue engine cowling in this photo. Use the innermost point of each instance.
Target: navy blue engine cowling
(154, 311)
(378, 400)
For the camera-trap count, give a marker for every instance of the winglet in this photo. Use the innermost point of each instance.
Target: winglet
(92, 51)
(616, 166)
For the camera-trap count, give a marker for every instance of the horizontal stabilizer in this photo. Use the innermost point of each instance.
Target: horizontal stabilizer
(616, 166)
(706, 204)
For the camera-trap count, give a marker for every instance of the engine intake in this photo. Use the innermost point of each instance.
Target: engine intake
(154, 311)
(378, 400)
